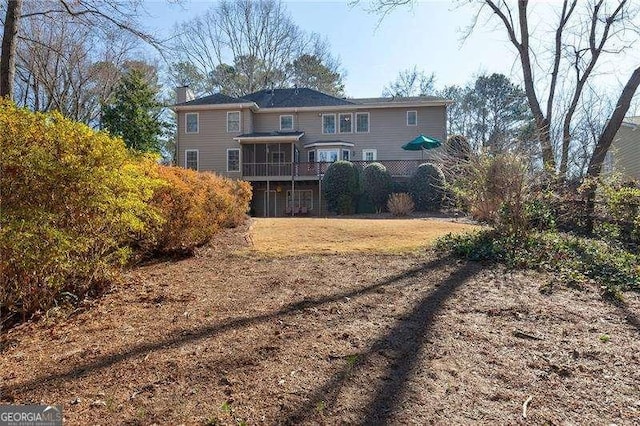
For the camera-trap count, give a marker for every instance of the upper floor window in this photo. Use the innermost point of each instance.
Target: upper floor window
(191, 122)
(286, 122)
(345, 122)
(328, 123)
(362, 122)
(412, 118)
(233, 121)
(191, 159)
(233, 159)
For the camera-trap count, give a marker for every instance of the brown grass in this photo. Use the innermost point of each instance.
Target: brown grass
(291, 236)
(330, 340)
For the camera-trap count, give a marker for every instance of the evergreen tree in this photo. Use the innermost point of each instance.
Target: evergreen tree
(134, 112)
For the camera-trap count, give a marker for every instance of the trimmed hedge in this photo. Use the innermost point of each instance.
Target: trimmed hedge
(341, 186)
(426, 187)
(377, 184)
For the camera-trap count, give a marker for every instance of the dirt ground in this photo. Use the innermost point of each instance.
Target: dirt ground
(229, 337)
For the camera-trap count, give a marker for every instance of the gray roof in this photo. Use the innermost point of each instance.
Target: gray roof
(216, 99)
(301, 97)
(292, 98)
(396, 99)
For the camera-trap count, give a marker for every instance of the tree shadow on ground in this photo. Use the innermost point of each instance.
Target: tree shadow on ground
(187, 336)
(404, 343)
(631, 317)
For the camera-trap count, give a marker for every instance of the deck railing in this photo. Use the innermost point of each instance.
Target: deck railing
(397, 168)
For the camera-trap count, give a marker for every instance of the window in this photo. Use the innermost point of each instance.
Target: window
(233, 121)
(233, 159)
(300, 198)
(277, 156)
(345, 122)
(328, 155)
(328, 123)
(346, 155)
(286, 122)
(191, 122)
(369, 154)
(312, 156)
(362, 122)
(412, 118)
(191, 159)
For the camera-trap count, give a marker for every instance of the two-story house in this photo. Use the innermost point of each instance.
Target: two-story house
(283, 140)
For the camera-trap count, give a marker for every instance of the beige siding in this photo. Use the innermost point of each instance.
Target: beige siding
(626, 152)
(212, 139)
(388, 130)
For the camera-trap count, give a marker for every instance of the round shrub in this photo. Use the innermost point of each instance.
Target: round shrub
(426, 187)
(377, 184)
(73, 200)
(340, 187)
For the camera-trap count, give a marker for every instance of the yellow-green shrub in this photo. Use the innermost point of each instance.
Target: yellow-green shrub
(194, 207)
(71, 202)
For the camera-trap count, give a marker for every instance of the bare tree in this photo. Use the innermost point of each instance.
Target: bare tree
(9, 46)
(584, 33)
(411, 82)
(96, 15)
(67, 66)
(580, 40)
(243, 46)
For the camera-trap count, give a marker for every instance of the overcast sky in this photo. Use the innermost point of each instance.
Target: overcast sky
(427, 35)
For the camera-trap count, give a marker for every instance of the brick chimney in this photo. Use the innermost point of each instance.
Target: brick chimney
(184, 94)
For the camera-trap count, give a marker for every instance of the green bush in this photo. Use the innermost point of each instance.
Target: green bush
(341, 186)
(622, 204)
(427, 186)
(575, 260)
(73, 200)
(377, 184)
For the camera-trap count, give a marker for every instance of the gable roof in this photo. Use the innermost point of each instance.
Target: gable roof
(294, 98)
(216, 99)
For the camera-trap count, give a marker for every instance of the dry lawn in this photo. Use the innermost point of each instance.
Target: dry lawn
(293, 236)
(228, 339)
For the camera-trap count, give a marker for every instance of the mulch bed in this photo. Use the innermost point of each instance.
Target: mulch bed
(224, 338)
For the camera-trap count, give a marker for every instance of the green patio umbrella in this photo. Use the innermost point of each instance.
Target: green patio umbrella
(421, 143)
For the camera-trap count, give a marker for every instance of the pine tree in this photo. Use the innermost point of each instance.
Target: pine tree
(134, 113)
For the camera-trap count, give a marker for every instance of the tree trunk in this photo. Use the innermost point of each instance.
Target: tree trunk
(606, 139)
(9, 45)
